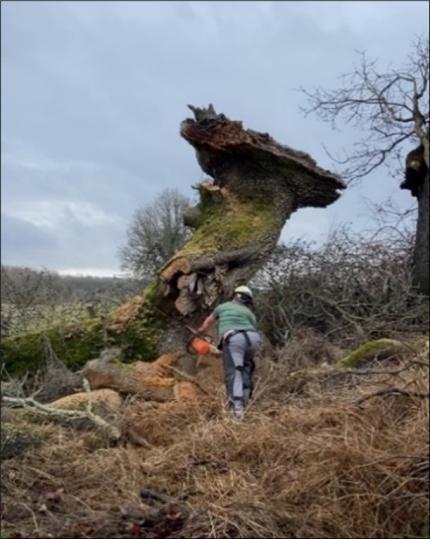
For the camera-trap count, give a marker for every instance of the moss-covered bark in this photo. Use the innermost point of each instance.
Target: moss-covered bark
(380, 348)
(369, 350)
(72, 345)
(255, 185)
(136, 327)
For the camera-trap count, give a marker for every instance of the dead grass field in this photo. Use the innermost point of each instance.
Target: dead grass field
(308, 460)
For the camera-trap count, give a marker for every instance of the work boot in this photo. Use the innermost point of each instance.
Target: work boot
(238, 410)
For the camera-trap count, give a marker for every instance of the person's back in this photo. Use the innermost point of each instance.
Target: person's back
(234, 316)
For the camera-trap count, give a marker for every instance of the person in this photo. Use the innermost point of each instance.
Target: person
(239, 341)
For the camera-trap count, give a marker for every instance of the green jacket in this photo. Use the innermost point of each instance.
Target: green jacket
(233, 316)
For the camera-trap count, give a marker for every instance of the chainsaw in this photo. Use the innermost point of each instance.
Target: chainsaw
(200, 344)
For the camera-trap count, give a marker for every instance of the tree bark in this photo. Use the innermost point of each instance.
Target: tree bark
(417, 181)
(421, 251)
(255, 184)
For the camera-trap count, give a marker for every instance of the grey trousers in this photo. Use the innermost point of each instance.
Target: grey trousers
(238, 353)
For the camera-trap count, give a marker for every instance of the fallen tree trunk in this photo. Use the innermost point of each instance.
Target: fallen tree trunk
(254, 186)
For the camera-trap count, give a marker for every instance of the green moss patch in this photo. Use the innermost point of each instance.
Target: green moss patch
(369, 350)
(142, 337)
(73, 346)
(229, 226)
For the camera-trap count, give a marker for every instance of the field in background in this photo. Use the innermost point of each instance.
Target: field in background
(34, 300)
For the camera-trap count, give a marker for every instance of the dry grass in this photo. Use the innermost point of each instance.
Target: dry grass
(305, 462)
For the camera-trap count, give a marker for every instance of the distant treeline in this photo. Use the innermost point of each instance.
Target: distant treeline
(26, 286)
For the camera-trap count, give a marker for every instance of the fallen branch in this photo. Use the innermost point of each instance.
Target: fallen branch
(369, 350)
(364, 372)
(392, 391)
(35, 407)
(114, 432)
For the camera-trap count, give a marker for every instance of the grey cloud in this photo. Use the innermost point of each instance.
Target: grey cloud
(25, 244)
(70, 246)
(93, 94)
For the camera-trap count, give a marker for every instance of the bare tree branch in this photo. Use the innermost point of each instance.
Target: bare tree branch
(33, 406)
(392, 391)
(388, 106)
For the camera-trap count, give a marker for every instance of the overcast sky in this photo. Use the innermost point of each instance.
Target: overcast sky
(93, 94)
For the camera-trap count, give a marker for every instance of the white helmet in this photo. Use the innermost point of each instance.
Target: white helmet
(243, 290)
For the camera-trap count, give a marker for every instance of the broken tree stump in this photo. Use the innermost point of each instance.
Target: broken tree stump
(254, 185)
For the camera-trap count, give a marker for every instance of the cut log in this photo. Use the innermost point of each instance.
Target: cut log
(102, 401)
(152, 381)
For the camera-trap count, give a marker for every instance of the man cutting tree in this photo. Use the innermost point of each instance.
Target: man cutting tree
(239, 341)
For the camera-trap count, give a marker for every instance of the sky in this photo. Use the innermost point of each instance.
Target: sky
(92, 95)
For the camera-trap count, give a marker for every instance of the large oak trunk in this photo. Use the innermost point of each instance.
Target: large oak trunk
(417, 181)
(254, 185)
(421, 251)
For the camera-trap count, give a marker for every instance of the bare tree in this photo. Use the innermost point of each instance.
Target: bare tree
(392, 110)
(156, 232)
